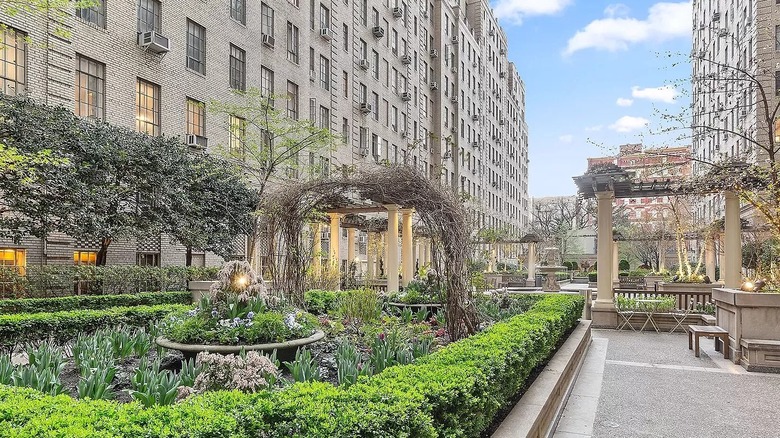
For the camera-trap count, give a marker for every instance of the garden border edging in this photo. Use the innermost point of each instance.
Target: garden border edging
(538, 410)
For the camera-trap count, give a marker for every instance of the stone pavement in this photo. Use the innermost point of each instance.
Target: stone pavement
(650, 385)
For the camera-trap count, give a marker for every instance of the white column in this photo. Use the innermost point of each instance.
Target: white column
(316, 262)
(407, 265)
(371, 256)
(391, 245)
(661, 255)
(615, 261)
(732, 245)
(351, 249)
(531, 262)
(335, 240)
(605, 250)
(709, 257)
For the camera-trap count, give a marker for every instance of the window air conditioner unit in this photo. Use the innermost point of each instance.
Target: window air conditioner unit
(501, 122)
(424, 13)
(366, 108)
(434, 85)
(716, 16)
(502, 51)
(364, 64)
(723, 32)
(434, 53)
(154, 42)
(363, 151)
(454, 99)
(473, 170)
(454, 69)
(404, 134)
(312, 75)
(491, 32)
(268, 41)
(326, 34)
(378, 31)
(474, 64)
(406, 96)
(196, 141)
(406, 59)
(501, 74)
(398, 12)
(702, 26)
(454, 39)
(475, 117)
(475, 144)
(454, 130)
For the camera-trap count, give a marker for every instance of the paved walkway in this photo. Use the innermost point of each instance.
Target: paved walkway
(650, 385)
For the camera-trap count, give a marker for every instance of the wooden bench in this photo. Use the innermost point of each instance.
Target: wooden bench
(697, 331)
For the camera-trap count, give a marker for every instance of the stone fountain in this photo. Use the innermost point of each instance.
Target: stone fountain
(550, 283)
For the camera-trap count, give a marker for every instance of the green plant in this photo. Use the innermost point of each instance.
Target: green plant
(421, 315)
(348, 366)
(304, 368)
(142, 342)
(64, 326)
(321, 302)
(359, 306)
(389, 349)
(407, 315)
(95, 383)
(152, 386)
(94, 302)
(6, 369)
(248, 372)
(190, 370)
(44, 380)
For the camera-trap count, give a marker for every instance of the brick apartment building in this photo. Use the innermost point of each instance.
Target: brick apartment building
(426, 83)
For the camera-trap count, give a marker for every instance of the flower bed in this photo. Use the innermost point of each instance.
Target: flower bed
(21, 328)
(93, 302)
(453, 392)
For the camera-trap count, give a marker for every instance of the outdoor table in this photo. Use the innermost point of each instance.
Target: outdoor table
(648, 308)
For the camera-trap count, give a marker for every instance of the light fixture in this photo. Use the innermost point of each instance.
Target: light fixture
(241, 281)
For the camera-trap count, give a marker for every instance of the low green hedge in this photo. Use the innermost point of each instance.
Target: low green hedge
(454, 392)
(94, 302)
(20, 328)
(321, 302)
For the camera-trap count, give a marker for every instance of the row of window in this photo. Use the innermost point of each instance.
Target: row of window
(16, 258)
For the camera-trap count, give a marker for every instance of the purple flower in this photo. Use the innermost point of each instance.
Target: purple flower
(381, 336)
(214, 313)
(250, 315)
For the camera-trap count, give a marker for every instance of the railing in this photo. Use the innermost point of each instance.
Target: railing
(377, 285)
(682, 298)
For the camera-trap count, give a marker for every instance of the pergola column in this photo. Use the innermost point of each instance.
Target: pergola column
(531, 264)
(383, 239)
(351, 247)
(371, 256)
(605, 251)
(709, 258)
(391, 245)
(407, 239)
(316, 262)
(662, 255)
(335, 240)
(615, 261)
(732, 245)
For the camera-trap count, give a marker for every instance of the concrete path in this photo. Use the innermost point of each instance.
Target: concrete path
(650, 385)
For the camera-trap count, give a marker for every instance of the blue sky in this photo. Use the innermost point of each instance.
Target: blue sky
(595, 72)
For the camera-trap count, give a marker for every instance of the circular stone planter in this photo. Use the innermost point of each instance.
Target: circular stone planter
(285, 351)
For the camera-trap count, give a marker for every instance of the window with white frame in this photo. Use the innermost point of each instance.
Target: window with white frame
(196, 117)
(90, 87)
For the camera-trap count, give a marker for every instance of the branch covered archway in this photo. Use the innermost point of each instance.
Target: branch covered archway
(293, 205)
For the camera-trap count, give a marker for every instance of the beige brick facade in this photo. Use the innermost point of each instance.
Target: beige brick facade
(468, 129)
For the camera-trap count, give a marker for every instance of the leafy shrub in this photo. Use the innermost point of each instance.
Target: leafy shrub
(95, 302)
(455, 391)
(623, 265)
(592, 277)
(64, 280)
(359, 306)
(304, 368)
(250, 372)
(62, 327)
(322, 302)
(153, 386)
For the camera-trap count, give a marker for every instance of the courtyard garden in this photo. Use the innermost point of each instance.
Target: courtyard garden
(380, 370)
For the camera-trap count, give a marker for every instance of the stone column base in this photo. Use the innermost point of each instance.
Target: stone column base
(604, 315)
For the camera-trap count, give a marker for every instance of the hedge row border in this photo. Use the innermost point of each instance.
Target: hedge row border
(454, 392)
(92, 302)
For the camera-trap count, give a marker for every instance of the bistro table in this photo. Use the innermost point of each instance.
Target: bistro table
(649, 307)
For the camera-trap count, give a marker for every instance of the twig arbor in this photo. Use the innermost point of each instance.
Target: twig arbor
(291, 207)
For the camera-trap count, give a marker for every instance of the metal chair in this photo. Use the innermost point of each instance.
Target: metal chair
(679, 316)
(625, 313)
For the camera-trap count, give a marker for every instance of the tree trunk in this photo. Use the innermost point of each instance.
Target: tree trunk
(188, 257)
(101, 257)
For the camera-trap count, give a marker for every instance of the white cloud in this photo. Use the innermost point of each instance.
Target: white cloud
(517, 10)
(613, 33)
(664, 93)
(617, 10)
(629, 123)
(568, 138)
(595, 128)
(622, 101)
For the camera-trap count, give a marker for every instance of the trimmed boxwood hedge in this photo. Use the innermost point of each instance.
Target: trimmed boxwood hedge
(21, 328)
(94, 302)
(454, 392)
